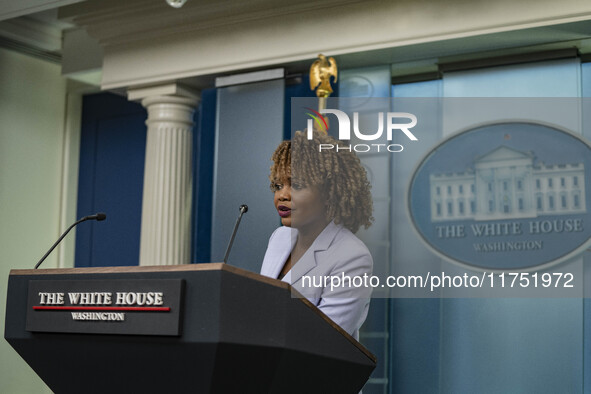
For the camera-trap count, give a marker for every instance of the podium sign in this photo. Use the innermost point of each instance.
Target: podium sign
(132, 307)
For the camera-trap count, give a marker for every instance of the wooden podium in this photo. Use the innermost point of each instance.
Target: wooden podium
(202, 328)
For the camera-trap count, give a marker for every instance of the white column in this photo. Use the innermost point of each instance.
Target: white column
(166, 209)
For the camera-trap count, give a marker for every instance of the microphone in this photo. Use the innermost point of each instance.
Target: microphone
(243, 209)
(97, 216)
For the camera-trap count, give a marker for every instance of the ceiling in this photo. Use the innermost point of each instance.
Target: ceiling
(15, 9)
(32, 27)
(38, 34)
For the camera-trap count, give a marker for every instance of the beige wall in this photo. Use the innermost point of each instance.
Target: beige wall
(34, 148)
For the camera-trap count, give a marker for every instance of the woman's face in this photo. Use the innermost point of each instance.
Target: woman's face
(299, 206)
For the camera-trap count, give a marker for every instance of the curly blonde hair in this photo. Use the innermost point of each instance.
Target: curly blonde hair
(338, 173)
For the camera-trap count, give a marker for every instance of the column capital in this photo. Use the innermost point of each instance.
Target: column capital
(174, 91)
(169, 111)
(189, 103)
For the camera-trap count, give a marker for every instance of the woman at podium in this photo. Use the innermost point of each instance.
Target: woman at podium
(323, 197)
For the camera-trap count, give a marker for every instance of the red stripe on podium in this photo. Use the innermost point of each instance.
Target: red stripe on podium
(103, 308)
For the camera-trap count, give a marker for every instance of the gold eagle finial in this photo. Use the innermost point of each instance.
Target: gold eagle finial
(320, 72)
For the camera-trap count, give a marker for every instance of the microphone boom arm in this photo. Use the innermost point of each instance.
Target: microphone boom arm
(98, 216)
(243, 209)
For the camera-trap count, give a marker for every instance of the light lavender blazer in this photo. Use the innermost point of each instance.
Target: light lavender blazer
(335, 252)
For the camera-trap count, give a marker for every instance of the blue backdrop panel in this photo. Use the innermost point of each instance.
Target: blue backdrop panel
(586, 111)
(513, 345)
(375, 82)
(249, 128)
(203, 148)
(112, 153)
(415, 323)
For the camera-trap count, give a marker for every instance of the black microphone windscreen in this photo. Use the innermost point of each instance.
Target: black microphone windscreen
(101, 216)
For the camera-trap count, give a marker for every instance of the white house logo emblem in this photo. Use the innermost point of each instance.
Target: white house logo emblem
(504, 196)
(506, 184)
